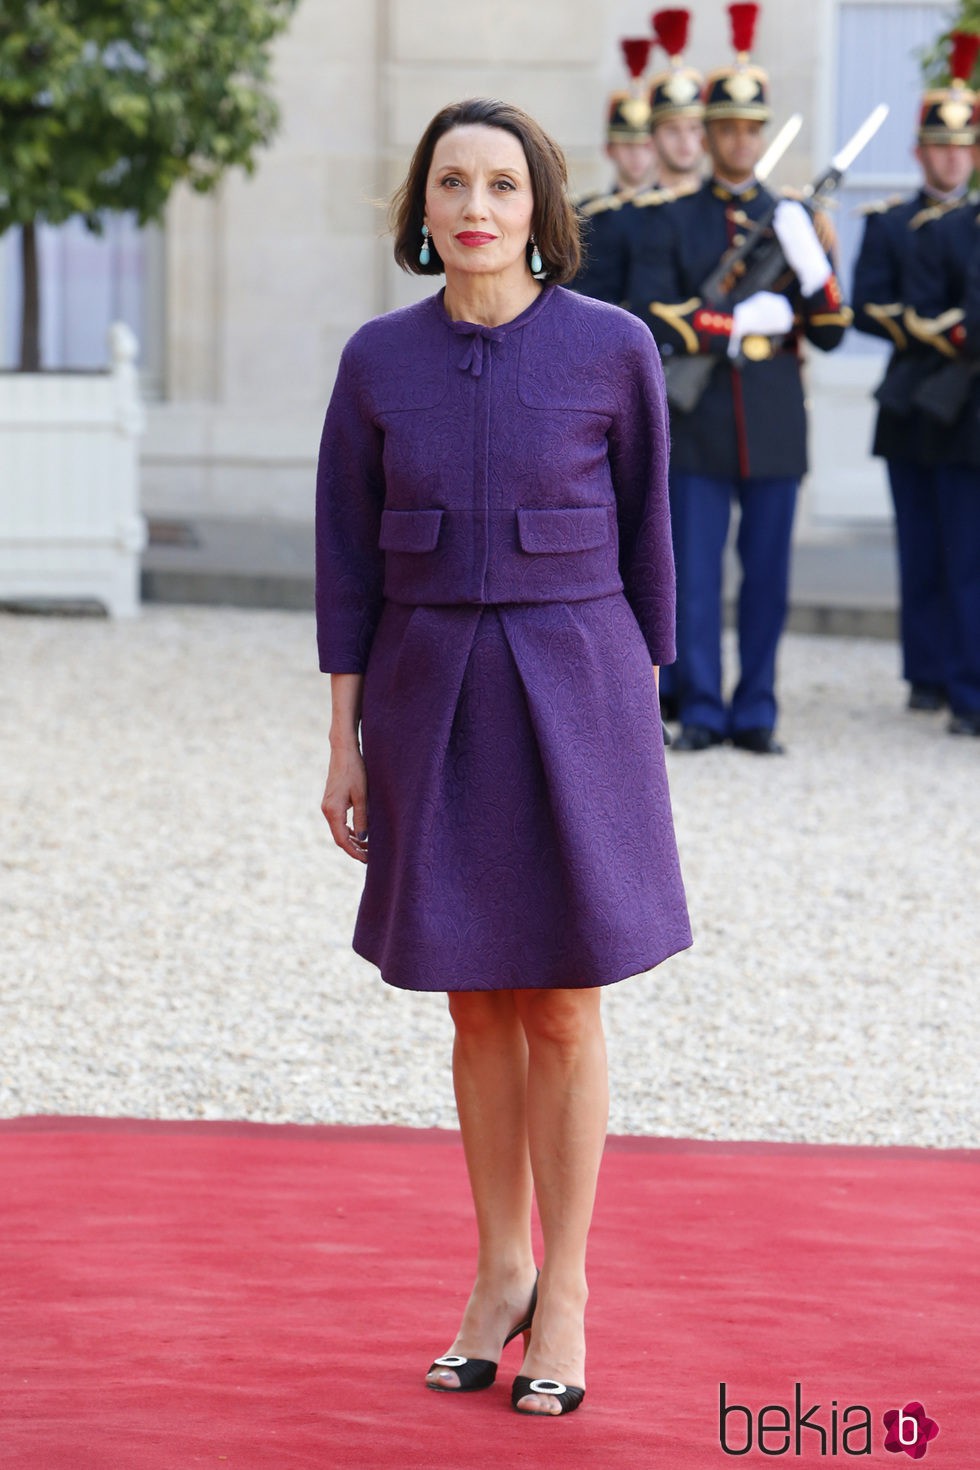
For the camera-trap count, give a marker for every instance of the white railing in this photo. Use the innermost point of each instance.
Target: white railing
(70, 522)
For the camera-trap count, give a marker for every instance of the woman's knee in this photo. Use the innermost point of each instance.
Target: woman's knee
(567, 1019)
(482, 1012)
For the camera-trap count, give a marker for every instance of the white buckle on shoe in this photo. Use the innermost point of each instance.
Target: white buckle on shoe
(547, 1385)
(451, 1360)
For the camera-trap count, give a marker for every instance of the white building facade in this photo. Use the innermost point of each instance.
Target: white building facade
(242, 301)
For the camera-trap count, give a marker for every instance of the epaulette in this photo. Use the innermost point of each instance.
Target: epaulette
(600, 203)
(935, 211)
(656, 196)
(881, 206)
(579, 201)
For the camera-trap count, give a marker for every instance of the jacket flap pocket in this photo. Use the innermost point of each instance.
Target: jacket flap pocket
(562, 528)
(409, 530)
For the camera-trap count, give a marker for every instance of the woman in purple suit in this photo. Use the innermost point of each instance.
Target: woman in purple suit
(495, 593)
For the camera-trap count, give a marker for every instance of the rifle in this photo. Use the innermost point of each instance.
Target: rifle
(757, 264)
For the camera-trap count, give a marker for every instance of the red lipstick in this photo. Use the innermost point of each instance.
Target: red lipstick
(474, 237)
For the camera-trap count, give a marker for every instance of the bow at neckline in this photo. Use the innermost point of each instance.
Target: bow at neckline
(472, 361)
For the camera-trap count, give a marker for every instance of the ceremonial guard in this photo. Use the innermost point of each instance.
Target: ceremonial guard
(744, 438)
(677, 123)
(606, 217)
(943, 314)
(676, 109)
(904, 438)
(670, 114)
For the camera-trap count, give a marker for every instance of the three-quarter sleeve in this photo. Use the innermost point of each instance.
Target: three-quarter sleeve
(349, 501)
(639, 451)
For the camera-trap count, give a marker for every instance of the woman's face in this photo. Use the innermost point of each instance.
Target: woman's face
(478, 201)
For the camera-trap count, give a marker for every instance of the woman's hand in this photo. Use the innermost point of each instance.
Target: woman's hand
(346, 788)
(346, 777)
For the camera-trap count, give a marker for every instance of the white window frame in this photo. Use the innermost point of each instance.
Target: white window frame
(889, 183)
(847, 486)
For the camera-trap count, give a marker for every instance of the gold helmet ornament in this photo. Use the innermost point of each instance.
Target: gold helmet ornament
(946, 113)
(629, 111)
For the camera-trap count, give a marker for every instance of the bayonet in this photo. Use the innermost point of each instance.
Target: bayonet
(857, 144)
(842, 160)
(786, 135)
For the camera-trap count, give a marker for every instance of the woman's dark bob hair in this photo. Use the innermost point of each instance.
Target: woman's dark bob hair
(555, 224)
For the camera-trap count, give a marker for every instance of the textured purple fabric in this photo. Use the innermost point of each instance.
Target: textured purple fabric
(482, 474)
(493, 553)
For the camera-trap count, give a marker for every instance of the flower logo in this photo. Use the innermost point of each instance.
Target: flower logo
(909, 1429)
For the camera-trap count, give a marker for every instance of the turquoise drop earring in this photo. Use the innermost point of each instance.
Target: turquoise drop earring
(537, 265)
(424, 252)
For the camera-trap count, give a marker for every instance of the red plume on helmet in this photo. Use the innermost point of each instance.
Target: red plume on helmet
(740, 89)
(637, 50)
(948, 114)
(963, 57)
(670, 28)
(743, 18)
(628, 119)
(675, 92)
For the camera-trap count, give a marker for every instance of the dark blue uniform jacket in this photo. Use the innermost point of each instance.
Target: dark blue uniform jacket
(945, 260)
(879, 300)
(607, 222)
(751, 420)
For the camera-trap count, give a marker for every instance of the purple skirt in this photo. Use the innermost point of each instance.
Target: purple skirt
(521, 835)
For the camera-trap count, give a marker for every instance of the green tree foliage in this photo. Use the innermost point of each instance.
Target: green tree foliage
(107, 104)
(964, 16)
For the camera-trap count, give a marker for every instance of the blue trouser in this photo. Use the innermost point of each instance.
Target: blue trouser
(958, 497)
(668, 672)
(701, 510)
(921, 573)
(667, 686)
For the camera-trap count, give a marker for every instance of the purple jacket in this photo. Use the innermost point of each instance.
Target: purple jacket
(514, 464)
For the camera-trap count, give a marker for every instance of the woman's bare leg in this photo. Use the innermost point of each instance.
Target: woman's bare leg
(567, 1113)
(489, 1073)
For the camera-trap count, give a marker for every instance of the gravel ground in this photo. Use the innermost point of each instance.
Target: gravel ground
(176, 921)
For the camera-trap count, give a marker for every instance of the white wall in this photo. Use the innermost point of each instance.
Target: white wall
(264, 283)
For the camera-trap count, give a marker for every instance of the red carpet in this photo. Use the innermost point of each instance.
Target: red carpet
(242, 1297)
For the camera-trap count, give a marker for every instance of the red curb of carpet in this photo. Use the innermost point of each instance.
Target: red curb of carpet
(248, 1296)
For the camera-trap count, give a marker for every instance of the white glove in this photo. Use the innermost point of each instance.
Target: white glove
(804, 252)
(765, 314)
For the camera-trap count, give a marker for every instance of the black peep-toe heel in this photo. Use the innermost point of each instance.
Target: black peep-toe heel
(476, 1373)
(569, 1398)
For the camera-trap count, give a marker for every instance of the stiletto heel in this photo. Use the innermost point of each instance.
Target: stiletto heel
(524, 1328)
(476, 1373)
